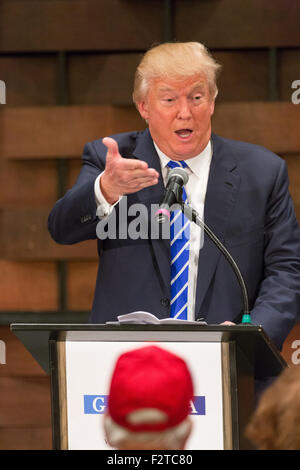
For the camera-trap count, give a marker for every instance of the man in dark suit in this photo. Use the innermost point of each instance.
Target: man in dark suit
(239, 189)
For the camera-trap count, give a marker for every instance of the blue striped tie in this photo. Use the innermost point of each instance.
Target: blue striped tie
(180, 244)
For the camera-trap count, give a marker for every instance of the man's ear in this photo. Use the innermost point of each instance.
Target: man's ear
(188, 432)
(142, 106)
(105, 428)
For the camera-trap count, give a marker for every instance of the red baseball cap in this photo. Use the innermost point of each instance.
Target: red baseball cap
(153, 380)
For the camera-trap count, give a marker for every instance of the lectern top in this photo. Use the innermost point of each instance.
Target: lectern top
(252, 339)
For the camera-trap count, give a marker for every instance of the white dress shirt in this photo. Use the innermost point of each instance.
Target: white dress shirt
(198, 171)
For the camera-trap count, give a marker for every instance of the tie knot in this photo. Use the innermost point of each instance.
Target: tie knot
(180, 164)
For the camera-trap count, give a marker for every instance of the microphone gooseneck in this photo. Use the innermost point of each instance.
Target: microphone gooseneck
(192, 215)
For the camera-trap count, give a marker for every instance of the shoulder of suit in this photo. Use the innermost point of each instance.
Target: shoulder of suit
(247, 152)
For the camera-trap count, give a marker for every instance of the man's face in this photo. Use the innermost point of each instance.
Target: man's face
(179, 115)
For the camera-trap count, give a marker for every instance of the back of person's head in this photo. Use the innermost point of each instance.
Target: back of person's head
(175, 60)
(149, 400)
(275, 425)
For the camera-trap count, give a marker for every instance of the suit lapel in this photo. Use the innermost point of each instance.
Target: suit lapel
(222, 190)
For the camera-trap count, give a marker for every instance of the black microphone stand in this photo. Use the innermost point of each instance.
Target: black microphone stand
(193, 216)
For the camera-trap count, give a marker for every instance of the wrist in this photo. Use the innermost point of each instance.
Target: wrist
(106, 189)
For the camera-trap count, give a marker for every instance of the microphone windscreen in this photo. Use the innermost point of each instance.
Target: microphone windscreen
(179, 172)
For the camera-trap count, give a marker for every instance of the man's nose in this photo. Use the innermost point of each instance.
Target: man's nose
(184, 111)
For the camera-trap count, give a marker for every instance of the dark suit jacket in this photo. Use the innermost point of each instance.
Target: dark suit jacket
(248, 207)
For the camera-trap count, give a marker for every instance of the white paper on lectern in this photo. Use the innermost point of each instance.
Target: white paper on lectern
(146, 318)
(89, 367)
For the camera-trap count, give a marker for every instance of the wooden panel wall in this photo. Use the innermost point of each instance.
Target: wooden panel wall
(25, 411)
(68, 66)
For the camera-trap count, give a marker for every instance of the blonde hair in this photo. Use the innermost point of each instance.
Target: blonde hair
(175, 60)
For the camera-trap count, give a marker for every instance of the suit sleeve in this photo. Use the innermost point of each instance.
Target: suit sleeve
(277, 303)
(73, 218)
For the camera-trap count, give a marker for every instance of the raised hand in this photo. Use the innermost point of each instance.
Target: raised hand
(124, 175)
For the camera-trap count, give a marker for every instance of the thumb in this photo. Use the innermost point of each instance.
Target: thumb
(112, 147)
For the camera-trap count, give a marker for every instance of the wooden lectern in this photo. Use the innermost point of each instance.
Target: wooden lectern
(224, 362)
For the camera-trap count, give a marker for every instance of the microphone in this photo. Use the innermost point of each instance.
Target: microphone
(177, 178)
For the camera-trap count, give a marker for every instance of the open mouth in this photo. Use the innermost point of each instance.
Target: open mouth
(184, 133)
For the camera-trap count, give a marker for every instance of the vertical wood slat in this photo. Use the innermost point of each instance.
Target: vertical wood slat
(62, 384)
(226, 391)
(62, 165)
(273, 74)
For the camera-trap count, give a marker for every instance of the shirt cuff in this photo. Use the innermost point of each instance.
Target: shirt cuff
(103, 207)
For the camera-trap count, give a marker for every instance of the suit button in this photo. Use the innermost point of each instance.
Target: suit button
(165, 302)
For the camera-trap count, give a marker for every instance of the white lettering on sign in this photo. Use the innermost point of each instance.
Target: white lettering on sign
(96, 407)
